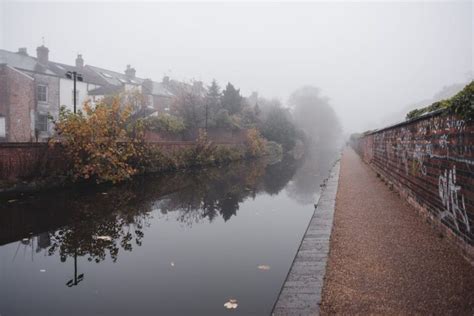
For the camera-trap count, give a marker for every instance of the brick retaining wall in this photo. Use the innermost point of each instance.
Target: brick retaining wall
(25, 161)
(32, 161)
(430, 162)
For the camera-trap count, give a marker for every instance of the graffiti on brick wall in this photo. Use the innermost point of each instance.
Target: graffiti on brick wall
(453, 201)
(432, 157)
(418, 156)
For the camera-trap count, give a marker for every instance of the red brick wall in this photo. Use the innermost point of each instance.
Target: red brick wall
(25, 161)
(31, 161)
(17, 100)
(216, 135)
(430, 162)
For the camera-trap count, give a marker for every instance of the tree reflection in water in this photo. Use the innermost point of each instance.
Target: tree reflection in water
(101, 222)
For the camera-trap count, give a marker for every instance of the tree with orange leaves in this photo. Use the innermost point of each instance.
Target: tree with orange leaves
(99, 143)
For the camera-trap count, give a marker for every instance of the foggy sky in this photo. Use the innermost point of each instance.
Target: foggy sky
(369, 58)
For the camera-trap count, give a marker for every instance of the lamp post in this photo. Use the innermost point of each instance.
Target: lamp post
(77, 278)
(76, 77)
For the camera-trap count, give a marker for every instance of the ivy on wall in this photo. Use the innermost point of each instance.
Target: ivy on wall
(462, 104)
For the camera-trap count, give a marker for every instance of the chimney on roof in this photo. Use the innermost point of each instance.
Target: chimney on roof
(22, 51)
(79, 61)
(42, 54)
(130, 72)
(147, 86)
(166, 79)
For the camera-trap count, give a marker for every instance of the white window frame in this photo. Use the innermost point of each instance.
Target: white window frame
(45, 94)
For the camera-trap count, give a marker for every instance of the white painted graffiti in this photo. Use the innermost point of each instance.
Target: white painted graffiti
(443, 142)
(418, 155)
(455, 123)
(452, 199)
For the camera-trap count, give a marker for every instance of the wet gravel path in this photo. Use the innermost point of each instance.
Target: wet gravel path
(385, 259)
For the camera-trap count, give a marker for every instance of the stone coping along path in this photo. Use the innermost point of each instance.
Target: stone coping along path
(301, 292)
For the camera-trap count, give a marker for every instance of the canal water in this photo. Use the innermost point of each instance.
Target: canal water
(180, 244)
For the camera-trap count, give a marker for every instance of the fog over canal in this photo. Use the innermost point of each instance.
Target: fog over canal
(176, 244)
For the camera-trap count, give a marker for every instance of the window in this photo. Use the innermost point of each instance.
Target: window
(3, 132)
(42, 123)
(77, 97)
(42, 93)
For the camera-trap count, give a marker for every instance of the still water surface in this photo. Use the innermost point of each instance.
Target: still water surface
(179, 244)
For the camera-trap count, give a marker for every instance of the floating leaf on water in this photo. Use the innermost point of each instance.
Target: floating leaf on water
(264, 267)
(25, 239)
(107, 238)
(42, 270)
(231, 304)
(104, 193)
(172, 263)
(11, 201)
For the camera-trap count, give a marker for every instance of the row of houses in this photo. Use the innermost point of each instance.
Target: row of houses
(32, 90)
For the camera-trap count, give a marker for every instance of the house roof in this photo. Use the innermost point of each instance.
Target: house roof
(87, 75)
(106, 90)
(23, 62)
(114, 78)
(177, 87)
(31, 64)
(160, 89)
(110, 81)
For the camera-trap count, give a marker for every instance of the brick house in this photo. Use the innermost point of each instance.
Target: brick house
(17, 105)
(32, 90)
(42, 86)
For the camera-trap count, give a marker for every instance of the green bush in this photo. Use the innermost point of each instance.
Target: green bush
(165, 123)
(224, 120)
(461, 104)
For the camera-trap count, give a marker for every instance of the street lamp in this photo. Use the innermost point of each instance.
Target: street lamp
(74, 76)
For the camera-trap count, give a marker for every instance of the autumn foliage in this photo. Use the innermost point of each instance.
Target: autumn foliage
(99, 142)
(255, 143)
(104, 143)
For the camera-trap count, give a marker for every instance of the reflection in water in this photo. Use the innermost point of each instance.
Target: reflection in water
(305, 186)
(101, 224)
(96, 224)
